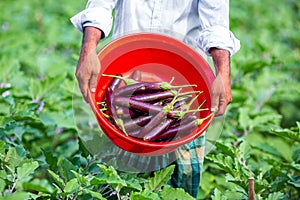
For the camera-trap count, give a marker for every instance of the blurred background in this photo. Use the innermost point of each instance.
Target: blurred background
(39, 49)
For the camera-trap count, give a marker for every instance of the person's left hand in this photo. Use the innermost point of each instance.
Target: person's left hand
(87, 72)
(221, 94)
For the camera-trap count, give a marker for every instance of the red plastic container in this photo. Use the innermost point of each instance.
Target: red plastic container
(158, 57)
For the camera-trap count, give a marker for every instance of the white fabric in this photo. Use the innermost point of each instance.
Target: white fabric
(205, 22)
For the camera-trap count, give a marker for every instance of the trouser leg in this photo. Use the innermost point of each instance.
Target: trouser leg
(188, 168)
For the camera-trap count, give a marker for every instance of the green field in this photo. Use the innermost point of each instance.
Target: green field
(42, 157)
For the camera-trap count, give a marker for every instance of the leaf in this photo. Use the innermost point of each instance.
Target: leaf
(38, 185)
(65, 167)
(71, 186)
(226, 149)
(2, 185)
(14, 156)
(107, 170)
(60, 183)
(295, 181)
(43, 88)
(144, 195)
(50, 159)
(296, 153)
(80, 178)
(233, 194)
(2, 149)
(26, 169)
(169, 193)
(133, 182)
(17, 196)
(275, 195)
(56, 118)
(69, 147)
(287, 133)
(230, 178)
(98, 181)
(51, 84)
(46, 119)
(35, 88)
(265, 118)
(19, 131)
(110, 177)
(82, 147)
(24, 115)
(224, 162)
(10, 100)
(218, 195)
(160, 178)
(3, 174)
(244, 120)
(245, 150)
(283, 146)
(5, 109)
(265, 147)
(95, 194)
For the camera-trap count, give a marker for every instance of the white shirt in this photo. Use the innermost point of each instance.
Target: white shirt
(204, 22)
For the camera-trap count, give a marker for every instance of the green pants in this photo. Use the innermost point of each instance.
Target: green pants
(188, 166)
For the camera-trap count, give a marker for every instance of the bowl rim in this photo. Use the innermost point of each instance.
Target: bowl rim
(158, 145)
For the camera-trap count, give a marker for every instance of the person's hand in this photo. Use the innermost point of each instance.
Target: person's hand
(88, 66)
(221, 94)
(221, 87)
(87, 72)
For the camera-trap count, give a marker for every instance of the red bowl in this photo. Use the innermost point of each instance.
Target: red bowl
(158, 57)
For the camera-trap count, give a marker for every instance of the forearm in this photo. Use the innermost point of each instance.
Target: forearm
(90, 40)
(88, 66)
(221, 60)
(221, 88)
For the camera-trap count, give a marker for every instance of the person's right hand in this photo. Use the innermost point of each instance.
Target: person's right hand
(88, 66)
(87, 72)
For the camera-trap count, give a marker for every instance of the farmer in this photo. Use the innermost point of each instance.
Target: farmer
(205, 22)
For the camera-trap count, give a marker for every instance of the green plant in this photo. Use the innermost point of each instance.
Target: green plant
(42, 157)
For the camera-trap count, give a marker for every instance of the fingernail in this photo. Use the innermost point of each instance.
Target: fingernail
(93, 90)
(215, 109)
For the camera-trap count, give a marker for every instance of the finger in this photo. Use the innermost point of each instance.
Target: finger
(83, 85)
(222, 107)
(93, 82)
(215, 103)
(229, 99)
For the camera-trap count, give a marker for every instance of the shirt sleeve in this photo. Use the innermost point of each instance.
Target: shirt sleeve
(98, 13)
(215, 32)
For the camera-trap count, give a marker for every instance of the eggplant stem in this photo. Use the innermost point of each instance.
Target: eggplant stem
(104, 109)
(120, 123)
(170, 106)
(127, 81)
(202, 103)
(101, 103)
(190, 92)
(172, 79)
(193, 100)
(105, 115)
(167, 86)
(200, 121)
(180, 114)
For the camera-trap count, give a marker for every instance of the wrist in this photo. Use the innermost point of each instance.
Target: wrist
(223, 71)
(221, 60)
(91, 38)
